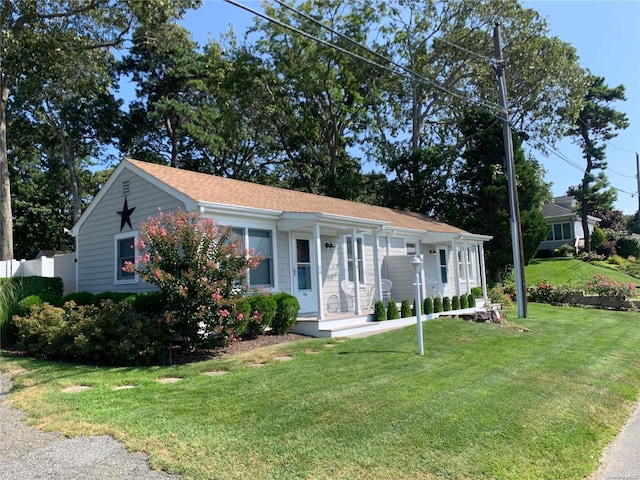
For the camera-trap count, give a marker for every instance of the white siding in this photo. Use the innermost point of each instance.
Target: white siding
(95, 242)
(283, 266)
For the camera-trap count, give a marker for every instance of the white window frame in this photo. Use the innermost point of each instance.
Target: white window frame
(552, 232)
(349, 259)
(116, 258)
(246, 242)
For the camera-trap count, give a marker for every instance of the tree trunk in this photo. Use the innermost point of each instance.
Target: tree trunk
(584, 210)
(76, 181)
(6, 218)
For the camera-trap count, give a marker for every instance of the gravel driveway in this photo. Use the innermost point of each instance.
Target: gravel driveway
(28, 454)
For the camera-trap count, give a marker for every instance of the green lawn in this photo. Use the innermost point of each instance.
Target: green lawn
(568, 270)
(484, 402)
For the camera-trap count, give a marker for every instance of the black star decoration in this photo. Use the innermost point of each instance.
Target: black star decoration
(125, 215)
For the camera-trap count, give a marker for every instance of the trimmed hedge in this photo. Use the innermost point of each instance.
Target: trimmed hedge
(392, 310)
(437, 305)
(266, 306)
(379, 312)
(427, 306)
(405, 308)
(286, 313)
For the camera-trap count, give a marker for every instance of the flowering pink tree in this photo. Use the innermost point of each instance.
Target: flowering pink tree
(200, 268)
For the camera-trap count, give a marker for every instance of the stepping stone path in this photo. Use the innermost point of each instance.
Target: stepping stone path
(169, 380)
(124, 387)
(216, 373)
(77, 389)
(284, 358)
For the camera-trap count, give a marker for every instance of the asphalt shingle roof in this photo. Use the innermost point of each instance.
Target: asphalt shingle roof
(206, 188)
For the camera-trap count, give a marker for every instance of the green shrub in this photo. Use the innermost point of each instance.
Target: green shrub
(24, 306)
(497, 295)
(80, 298)
(597, 237)
(476, 292)
(427, 306)
(471, 299)
(607, 248)
(455, 302)
(405, 308)
(628, 246)
(243, 309)
(286, 313)
(437, 305)
(565, 250)
(464, 301)
(111, 334)
(446, 304)
(379, 312)
(7, 305)
(392, 310)
(616, 260)
(266, 307)
(149, 303)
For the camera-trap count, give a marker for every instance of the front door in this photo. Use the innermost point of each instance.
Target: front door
(303, 275)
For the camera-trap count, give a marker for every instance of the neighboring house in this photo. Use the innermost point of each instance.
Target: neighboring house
(565, 224)
(307, 240)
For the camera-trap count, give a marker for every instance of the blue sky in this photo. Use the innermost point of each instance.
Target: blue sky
(606, 35)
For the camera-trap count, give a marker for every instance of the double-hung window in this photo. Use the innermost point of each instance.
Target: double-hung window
(560, 231)
(350, 260)
(261, 243)
(125, 251)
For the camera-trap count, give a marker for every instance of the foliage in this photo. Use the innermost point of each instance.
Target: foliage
(392, 310)
(477, 292)
(541, 293)
(611, 219)
(497, 295)
(199, 272)
(455, 302)
(7, 305)
(597, 237)
(80, 298)
(110, 334)
(427, 306)
(379, 311)
(595, 125)
(616, 260)
(564, 250)
(437, 305)
(446, 304)
(405, 308)
(149, 303)
(610, 290)
(607, 249)
(471, 299)
(480, 195)
(286, 313)
(628, 246)
(464, 301)
(264, 308)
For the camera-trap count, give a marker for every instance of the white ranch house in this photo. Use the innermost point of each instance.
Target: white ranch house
(307, 240)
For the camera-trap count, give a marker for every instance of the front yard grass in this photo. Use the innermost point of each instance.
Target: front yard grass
(484, 402)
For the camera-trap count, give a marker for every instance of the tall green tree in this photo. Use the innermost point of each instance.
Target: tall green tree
(449, 46)
(596, 124)
(323, 96)
(480, 195)
(36, 35)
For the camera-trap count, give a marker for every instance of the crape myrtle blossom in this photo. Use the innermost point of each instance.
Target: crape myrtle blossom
(201, 272)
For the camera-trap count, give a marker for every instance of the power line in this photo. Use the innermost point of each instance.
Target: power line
(621, 174)
(491, 108)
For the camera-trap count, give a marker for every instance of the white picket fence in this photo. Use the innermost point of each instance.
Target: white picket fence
(62, 266)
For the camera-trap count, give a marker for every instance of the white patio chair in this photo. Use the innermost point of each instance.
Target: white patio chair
(348, 290)
(386, 286)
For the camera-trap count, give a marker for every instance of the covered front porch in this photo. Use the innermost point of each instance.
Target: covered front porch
(353, 326)
(339, 265)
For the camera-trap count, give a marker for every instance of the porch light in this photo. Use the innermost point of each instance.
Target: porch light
(416, 263)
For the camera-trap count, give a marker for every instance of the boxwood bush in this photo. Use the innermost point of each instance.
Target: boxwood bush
(427, 306)
(405, 308)
(446, 304)
(266, 307)
(379, 312)
(286, 313)
(455, 302)
(392, 310)
(437, 305)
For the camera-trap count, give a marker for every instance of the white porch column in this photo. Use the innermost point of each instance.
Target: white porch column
(483, 271)
(318, 251)
(467, 272)
(356, 274)
(376, 266)
(456, 270)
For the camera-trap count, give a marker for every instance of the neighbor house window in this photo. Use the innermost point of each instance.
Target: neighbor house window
(350, 260)
(125, 252)
(560, 231)
(260, 241)
(461, 274)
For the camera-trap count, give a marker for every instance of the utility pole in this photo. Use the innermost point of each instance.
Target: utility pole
(638, 177)
(514, 208)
